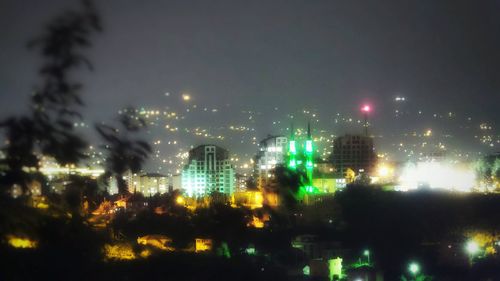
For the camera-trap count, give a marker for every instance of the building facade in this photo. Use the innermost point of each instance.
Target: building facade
(301, 158)
(354, 152)
(272, 151)
(148, 184)
(207, 171)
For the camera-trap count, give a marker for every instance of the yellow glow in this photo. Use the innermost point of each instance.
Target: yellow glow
(257, 222)
(42, 205)
(383, 171)
(186, 97)
(259, 199)
(249, 199)
(349, 175)
(121, 251)
(121, 203)
(158, 241)
(482, 240)
(21, 242)
(180, 200)
(203, 245)
(145, 253)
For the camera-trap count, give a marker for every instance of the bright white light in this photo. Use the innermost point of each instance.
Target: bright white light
(472, 247)
(436, 175)
(384, 171)
(186, 97)
(414, 268)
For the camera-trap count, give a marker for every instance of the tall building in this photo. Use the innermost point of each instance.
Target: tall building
(207, 171)
(353, 152)
(302, 157)
(272, 152)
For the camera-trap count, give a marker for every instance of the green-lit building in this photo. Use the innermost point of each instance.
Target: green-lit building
(301, 158)
(207, 171)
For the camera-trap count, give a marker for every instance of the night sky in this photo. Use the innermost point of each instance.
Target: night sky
(327, 55)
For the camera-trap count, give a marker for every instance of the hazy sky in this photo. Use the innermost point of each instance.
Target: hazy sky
(441, 55)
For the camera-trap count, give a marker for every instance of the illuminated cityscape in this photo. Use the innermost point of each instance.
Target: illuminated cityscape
(235, 140)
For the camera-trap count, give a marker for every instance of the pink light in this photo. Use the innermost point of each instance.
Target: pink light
(366, 108)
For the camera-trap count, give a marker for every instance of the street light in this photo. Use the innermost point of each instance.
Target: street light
(180, 200)
(472, 248)
(367, 254)
(414, 268)
(186, 97)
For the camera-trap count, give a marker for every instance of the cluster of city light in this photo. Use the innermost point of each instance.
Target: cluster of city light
(50, 171)
(121, 251)
(161, 242)
(21, 242)
(436, 175)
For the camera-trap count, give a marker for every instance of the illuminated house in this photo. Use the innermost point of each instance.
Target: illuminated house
(208, 170)
(272, 152)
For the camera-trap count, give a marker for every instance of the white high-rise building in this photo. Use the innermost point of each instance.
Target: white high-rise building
(208, 170)
(272, 152)
(147, 184)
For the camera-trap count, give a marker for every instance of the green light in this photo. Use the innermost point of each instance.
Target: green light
(292, 163)
(414, 268)
(306, 270)
(250, 251)
(335, 268)
(309, 146)
(311, 189)
(293, 150)
(366, 253)
(309, 164)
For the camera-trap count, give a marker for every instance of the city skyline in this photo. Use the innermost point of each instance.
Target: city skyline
(232, 55)
(337, 140)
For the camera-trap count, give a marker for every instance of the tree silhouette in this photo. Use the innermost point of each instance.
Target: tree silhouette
(48, 129)
(124, 152)
(56, 102)
(288, 187)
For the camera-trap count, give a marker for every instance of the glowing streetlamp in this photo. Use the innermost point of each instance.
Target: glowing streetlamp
(472, 248)
(180, 200)
(366, 253)
(414, 268)
(366, 109)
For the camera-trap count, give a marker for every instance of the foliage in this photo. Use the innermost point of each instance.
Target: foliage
(124, 151)
(54, 106)
(420, 277)
(288, 187)
(488, 169)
